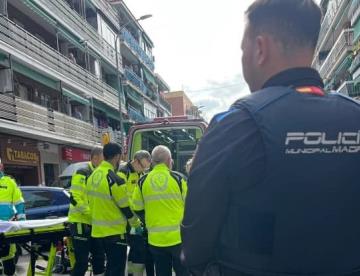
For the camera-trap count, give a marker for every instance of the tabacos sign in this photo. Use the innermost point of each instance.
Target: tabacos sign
(21, 156)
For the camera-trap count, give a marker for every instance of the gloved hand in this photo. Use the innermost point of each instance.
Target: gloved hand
(139, 230)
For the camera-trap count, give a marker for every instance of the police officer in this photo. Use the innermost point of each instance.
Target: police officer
(138, 254)
(273, 186)
(11, 208)
(109, 209)
(161, 194)
(79, 216)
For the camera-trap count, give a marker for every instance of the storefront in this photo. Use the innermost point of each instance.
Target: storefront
(21, 160)
(50, 162)
(73, 155)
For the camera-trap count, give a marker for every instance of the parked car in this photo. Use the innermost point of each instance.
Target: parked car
(45, 202)
(65, 176)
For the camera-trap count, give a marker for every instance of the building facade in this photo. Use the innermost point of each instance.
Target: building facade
(181, 105)
(70, 72)
(337, 56)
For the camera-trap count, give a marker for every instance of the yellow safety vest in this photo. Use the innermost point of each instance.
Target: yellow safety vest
(161, 193)
(107, 194)
(79, 210)
(131, 177)
(11, 200)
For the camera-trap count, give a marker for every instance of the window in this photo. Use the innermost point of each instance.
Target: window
(35, 198)
(61, 198)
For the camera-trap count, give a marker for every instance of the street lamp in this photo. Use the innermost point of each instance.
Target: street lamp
(121, 92)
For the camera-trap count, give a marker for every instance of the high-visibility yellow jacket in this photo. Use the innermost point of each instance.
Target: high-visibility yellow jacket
(79, 210)
(109, 204)
(11, 200)
(131, 177)
(161, 193)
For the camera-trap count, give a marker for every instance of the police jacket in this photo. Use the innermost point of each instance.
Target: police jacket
(274, 187)
(79, 210)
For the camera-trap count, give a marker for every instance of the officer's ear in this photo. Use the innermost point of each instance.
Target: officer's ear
(262, 49)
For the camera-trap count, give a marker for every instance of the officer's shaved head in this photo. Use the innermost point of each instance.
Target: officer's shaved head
(161, 155)
(294, 23)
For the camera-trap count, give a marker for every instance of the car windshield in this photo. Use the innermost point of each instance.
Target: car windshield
(181, 141)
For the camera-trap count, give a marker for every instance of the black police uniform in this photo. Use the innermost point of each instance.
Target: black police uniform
(274, 187)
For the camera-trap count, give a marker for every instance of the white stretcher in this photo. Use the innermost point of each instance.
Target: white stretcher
(35, 231)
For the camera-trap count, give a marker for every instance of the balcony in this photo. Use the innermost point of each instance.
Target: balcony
(133, 44)
(329, 21)
(108, 10)
(349, 88)
(354, 11)
(53, 124)
(135, 115)
(340, 50)
(60, 10)
(135, 80)
(165, 104)
(355, 64)
(23, 45)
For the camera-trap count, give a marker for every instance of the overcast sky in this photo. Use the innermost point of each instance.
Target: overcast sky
(197, 47)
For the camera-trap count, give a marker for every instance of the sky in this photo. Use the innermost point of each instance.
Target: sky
(197, 47)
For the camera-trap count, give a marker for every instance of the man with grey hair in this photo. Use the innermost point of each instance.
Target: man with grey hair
(139, 257)
(159, 200)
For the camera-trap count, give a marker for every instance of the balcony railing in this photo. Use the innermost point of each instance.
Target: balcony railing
(328, 21)
(48, 121)
(135, 80)
(354, 11)
(165, 104)
(349, 88)
(134, 45)
(72, 19)
(135, 115)
(21, 40)
(341, 47)
(355, 64)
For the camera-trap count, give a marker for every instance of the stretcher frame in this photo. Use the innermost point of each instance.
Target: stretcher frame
(54, 234)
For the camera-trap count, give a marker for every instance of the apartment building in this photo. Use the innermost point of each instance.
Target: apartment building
(71, 71)
(336, 56)
(181, 105)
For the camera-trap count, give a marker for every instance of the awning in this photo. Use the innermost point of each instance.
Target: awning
(150, 78)
(109, 111)
(344, 65)
(65, 33)
(133, 95)
(73, 96)
(34, 75)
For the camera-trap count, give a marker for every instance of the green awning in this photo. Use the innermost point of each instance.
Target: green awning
(65, 33)
(73, 96)
(34, 75)
(133, 95)
(39, 11)
(4, 60)
(150, 78)
(344, 65)
(109, 111)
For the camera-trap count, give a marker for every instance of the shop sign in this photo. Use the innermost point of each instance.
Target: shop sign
(14, 155)
(75, 155)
